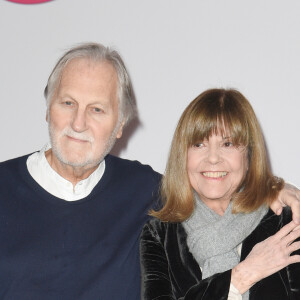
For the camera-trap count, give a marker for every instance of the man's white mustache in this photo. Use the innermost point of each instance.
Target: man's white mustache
(77, 135)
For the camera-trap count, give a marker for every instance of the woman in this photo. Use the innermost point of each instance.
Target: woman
(215, 238)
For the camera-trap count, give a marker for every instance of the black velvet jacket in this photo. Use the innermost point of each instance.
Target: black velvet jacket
(169, 271)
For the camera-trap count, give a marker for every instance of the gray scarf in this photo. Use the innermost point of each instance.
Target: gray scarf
(213, 239)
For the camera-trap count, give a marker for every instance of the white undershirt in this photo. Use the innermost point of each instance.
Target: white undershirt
(234, 294)
(53, 183)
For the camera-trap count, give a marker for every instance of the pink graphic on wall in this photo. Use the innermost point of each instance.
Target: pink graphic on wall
(29, 1)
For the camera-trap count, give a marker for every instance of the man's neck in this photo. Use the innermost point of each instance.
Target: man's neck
(70, 173)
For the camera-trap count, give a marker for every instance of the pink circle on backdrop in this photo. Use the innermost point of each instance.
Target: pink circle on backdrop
(29, 1)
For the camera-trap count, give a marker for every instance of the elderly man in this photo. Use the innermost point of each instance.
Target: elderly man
(71, 214)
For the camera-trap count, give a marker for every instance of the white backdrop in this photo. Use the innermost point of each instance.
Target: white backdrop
(174, 49)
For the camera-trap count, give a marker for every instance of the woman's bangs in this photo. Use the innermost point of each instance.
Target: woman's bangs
(202, 128)
(224, 124)
(235, 127)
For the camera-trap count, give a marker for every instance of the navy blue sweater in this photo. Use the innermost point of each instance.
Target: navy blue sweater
(86, 249)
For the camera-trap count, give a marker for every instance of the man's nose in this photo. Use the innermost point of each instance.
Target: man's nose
(79, 122)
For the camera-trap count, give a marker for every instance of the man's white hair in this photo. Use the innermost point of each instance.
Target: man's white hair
(97, 53)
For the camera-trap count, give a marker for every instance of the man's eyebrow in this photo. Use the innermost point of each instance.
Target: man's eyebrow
(67, 96)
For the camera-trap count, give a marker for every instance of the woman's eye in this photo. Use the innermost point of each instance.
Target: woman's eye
(198, 145)
(68, 103)
(228, 144)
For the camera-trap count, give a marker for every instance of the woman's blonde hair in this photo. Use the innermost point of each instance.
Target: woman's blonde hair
(217, 111)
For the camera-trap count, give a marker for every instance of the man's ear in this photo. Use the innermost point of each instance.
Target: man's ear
(120, 130)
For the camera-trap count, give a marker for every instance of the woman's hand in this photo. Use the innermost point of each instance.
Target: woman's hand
(289, 196)
(267, 257)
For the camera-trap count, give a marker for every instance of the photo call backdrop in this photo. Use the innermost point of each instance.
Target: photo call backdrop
(174, 50)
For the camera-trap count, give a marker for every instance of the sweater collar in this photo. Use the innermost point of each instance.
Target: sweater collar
(40, 170)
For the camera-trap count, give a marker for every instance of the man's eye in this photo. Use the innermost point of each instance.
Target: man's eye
(68, 103)
(97, 110)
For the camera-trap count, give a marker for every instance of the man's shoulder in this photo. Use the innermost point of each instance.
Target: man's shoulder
(13, 163)
(136, 182)
(130, 166)
(12, 170)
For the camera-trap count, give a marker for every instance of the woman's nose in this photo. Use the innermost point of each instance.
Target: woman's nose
(213, 155)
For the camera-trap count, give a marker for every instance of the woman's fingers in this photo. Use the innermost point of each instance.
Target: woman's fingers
(268, 257)
(285, 230)
(294, 247)
(290, 238)
(273, 254)
(294, 259)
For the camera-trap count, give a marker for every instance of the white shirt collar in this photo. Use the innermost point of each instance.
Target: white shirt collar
(53, 183)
